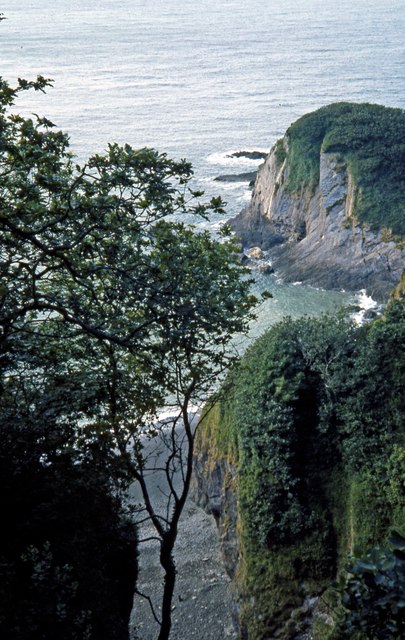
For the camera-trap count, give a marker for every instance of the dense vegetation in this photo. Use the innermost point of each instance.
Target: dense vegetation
(68, 556)
(313, 419)
(373, 594)
(371, 140)
(111, 305)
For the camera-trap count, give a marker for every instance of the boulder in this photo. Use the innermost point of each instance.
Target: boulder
(265, 268)
(255, 252)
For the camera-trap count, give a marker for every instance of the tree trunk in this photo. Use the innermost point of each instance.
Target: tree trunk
(167, 562)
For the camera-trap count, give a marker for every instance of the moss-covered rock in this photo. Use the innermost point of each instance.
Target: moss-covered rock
(312, 425)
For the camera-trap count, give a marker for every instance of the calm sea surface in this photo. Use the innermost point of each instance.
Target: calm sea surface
(202, 78)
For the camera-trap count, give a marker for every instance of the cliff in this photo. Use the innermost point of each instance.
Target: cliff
(300, 458)
(329, 200)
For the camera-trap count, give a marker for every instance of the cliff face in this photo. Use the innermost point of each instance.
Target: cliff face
(313, 236)
(300, 459)
(213, 488)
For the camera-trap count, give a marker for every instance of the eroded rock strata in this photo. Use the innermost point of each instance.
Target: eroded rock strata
(314, 237)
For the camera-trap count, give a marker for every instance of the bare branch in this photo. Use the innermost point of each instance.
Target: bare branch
(142, 595)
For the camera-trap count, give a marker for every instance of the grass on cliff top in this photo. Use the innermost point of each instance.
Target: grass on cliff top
(371, 139)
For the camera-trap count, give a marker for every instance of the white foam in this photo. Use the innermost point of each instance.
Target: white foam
(173, 412)
(232, 186)
(215, 226)
(365, 303)
(246, 196)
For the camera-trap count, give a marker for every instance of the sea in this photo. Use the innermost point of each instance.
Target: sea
(202, 79)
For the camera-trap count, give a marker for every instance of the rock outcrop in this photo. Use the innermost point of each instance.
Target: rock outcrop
(313, 236)
(213, 488)
(247, 176)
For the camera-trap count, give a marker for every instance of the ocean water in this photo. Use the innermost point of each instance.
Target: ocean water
(202, 78)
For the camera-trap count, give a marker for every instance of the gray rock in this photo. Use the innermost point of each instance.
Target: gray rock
(313, 237)
(255, 252)
(213, 489)
(251, 155)
(370, 314)
(266, 268)
(248, 176)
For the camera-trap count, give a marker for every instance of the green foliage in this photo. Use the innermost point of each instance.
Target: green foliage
(371, 140)
(280, 151)
(282, 441)
(111, 304)
(310, 396)
(395, 487)
(315, 412)
(93, 264)
(371, 406)
(68, 555)
(373, 596)
(276, 582)
(97, 248)
(269, 488)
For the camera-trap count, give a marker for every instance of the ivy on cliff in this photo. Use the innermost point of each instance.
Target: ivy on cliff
(373, 595)
(314, 412)
(312, 395)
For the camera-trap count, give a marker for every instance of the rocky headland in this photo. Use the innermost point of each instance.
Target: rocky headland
(312, 227)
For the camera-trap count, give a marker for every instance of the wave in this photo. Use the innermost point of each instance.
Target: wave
(366, 303)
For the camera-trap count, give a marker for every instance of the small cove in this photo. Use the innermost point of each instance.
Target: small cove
(201, 82)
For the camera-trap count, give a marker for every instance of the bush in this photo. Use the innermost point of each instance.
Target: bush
(374, 594)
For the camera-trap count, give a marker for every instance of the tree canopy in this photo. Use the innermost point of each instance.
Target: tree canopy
(111, 305)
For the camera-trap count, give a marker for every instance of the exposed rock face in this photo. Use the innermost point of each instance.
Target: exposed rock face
(213, 489)
(314, 237)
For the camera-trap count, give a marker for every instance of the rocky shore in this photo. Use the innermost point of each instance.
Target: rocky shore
(202, 607)
(202, 604)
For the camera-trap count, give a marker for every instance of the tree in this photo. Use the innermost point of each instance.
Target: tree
(68, 558)
(112, 303)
